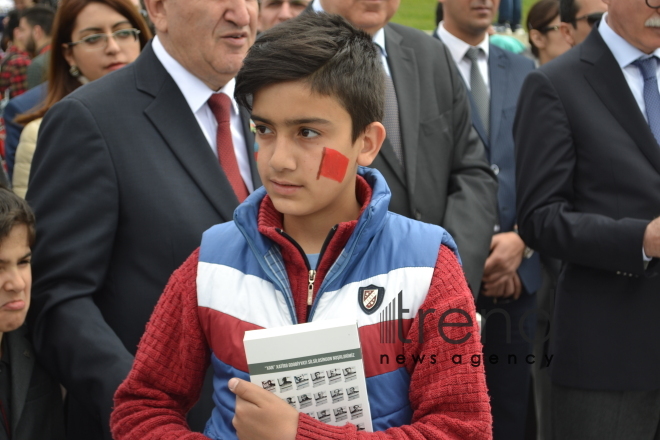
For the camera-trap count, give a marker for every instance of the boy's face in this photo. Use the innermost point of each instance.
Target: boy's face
(15, 278)
(306, 159)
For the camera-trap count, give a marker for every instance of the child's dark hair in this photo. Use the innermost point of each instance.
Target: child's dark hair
(15, 211)
(325, 51)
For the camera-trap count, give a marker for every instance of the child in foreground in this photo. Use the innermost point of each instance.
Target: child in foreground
(303, 248)
(30, 399)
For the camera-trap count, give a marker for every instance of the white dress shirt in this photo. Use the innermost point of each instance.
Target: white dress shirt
(378, 38)
(458, 48)
(624, 54)
(197, 94)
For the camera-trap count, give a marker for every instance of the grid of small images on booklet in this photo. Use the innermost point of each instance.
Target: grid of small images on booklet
(315, 367)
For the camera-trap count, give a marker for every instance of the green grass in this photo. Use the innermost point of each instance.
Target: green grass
(420, 14)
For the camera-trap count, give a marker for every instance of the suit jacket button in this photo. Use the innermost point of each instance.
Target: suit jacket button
(495, 169)
(418, 215)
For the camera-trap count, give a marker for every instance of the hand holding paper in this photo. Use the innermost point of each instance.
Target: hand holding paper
(261, 415)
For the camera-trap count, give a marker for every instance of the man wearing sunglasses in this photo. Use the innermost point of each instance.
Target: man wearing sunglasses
(578, 17)
(587, 134)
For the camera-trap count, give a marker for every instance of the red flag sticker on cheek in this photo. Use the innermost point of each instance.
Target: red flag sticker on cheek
(333, 165)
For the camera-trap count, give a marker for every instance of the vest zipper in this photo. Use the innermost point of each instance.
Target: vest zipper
(310, 272)
(310, 287)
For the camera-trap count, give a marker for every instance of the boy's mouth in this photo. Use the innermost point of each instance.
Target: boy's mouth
(284, 187)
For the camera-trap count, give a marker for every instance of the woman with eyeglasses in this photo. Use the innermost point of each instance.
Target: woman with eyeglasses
(545, 38)
(91, 38)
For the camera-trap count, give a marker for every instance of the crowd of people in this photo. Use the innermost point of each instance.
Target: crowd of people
(184, 171)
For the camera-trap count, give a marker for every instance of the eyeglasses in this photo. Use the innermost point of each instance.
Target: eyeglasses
(545, 30)
(100, 41)
(653, 4)
(592, 19)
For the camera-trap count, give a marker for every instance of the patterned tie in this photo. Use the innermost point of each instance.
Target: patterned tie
(220, 105)
(478, 88)
(649, 67)
(391, 121)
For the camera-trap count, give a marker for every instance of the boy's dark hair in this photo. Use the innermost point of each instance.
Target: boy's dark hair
(15, 211)
(325, 51)
(41, 15)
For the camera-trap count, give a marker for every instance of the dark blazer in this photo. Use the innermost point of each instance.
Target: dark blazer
(123, 183)
(36, 398)
(506, 72)
(588, 181)
(447, 180)
(21, 104)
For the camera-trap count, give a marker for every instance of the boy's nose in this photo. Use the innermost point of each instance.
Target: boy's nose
(14, 282)
(282, 158)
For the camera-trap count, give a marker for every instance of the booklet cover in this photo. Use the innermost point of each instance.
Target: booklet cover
(315, 367)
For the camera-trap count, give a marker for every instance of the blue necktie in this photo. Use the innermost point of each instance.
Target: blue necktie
(648, 67)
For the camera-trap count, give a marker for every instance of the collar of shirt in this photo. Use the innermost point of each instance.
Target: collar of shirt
(379, 39)
(316, 6)
(193, 89)
(624, 52)
(457, 47)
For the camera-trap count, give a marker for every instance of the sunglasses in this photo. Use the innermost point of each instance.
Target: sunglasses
(592, 19)
(545, 30)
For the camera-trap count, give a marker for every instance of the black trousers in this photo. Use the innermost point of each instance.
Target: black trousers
(605, 415)
(507, 334)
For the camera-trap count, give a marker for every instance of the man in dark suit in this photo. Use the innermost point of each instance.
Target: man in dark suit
(432, 158)
(511, 275)
(588, 178)
(125, 179)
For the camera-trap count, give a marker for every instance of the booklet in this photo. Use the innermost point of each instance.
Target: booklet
(315, 367)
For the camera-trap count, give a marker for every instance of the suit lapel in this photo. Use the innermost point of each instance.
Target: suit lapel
(403, 67)
(186, 140)
(607, 80)
(182, 133)
(21, 359)
(249, 143)
(497, 68)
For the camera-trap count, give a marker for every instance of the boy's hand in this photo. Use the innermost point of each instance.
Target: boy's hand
(260, 414)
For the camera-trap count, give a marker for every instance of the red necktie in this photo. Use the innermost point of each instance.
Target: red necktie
(220, 105)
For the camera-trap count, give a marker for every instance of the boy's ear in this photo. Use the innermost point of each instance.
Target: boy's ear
(372, 139)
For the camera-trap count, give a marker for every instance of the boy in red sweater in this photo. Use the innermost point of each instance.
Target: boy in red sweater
(316, 243)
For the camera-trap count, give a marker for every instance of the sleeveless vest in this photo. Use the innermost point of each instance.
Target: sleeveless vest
(242, 285)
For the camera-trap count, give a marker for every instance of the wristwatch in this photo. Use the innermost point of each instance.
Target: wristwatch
(528, 252)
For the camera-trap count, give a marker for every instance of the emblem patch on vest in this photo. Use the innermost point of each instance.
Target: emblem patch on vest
(370, 298)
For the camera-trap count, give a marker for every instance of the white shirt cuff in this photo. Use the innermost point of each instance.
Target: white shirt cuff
(646, 259)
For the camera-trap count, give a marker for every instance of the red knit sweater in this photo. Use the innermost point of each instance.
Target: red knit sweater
(449, 401)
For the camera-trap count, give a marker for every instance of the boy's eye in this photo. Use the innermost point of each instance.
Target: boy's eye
(262, 129)
(308, 133)
(24, 262)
